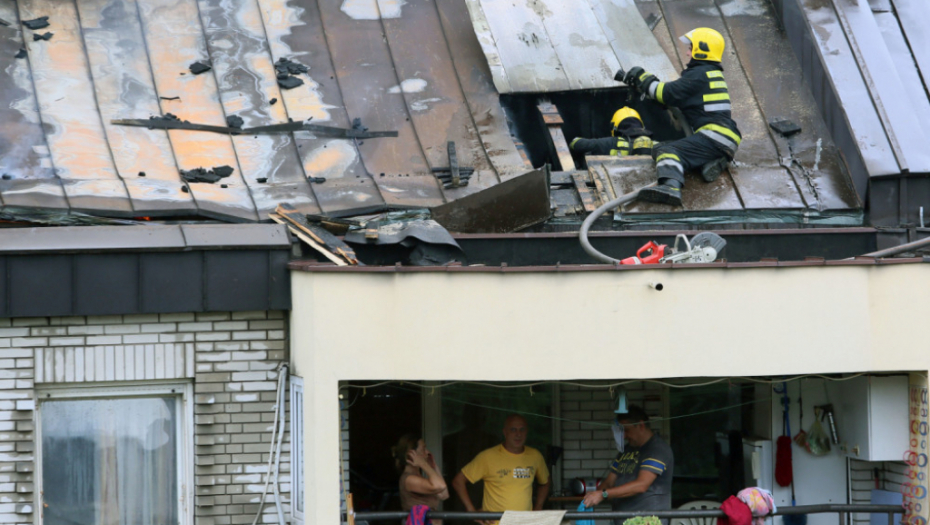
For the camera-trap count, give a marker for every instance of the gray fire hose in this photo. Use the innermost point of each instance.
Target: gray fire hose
(586, 225)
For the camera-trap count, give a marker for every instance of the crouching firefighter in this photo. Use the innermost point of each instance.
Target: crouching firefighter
(628, 137)
(701, 94)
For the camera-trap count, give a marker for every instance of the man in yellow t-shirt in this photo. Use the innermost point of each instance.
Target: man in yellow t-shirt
(508, 471)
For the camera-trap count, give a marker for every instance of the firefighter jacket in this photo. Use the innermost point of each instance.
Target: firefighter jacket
(620, 146)
(701, 94)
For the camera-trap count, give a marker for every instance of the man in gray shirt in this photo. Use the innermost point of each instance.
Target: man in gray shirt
(641, 476)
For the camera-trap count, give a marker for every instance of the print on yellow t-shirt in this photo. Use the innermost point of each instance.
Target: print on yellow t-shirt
(508, 478)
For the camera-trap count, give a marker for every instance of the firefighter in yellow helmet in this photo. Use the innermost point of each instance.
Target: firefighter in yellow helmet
(628, 137)
(701, 94)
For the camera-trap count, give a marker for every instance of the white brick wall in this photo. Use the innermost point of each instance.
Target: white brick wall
(587, 438)
(231, 358)
(891, 474)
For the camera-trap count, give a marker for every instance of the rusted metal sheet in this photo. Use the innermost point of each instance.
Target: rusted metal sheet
(510, 206)
(296, 32)
(474, 76)
(889, 94)
(771, 67)
(175, 39)
(433, 96)
(68, 108)
(766, 184)
(24, 154)
(123, 82)
(366, 74)
(247, 82)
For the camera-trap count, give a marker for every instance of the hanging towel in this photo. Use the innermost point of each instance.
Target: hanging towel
(417, 515)
(760, 503)
(582, 508)
(735, 512)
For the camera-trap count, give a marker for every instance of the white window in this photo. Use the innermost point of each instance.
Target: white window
(115, 455)
(297, 448)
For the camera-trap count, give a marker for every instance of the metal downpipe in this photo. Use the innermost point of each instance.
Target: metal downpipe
(583, 233)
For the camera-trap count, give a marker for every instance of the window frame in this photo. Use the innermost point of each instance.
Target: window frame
(183, 392)
(296, 385)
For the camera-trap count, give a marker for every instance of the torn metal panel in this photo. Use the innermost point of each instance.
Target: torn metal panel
(510, 206)
(247, 81)
(113, 35)
(67, 106)
(764, 184)
(297, 32)
(473, 73)
(174, 39)
(24, 154)
(631, 39)
(769, 64)
(430, 243)
(889, 95)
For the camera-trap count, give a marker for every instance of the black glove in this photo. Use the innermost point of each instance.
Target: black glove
(632, 75)
(643, 81)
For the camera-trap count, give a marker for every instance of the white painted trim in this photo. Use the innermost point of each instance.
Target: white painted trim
(184, 393)
(297, 449)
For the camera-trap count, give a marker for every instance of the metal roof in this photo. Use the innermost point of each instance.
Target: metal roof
(417, 67)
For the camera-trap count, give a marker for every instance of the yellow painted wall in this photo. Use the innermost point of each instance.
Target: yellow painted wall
(591, 325)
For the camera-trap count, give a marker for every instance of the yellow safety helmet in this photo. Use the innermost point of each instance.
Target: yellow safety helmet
(622, 114)
(706, 44)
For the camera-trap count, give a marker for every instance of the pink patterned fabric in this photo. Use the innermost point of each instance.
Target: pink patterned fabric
(759, 501)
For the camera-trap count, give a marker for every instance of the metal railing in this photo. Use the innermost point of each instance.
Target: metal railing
(842, 511)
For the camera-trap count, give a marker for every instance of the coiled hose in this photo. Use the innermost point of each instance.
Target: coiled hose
(583, 233)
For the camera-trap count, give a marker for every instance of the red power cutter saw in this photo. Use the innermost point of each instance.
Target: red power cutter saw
(702, 248)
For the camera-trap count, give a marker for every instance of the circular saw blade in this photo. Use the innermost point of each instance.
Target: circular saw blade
(708, 239)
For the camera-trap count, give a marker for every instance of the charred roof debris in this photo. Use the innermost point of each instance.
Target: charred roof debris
(408, 161)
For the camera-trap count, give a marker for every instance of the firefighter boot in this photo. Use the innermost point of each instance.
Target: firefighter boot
(713, 169)
(667, 192)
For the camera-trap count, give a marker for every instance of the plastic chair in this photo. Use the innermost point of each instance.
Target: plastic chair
(697, 505)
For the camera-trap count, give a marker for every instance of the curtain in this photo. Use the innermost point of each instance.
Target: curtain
(110, 461)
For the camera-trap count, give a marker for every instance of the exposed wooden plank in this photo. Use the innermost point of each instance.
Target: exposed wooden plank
(561, 148)
(297, 32)
(630, 38)
(174, 39)
(322, 237)
(766, 184)
(24, 153)
(430, 88)
(526, 53)
(588, 199)
(247, 82)
(68, 108)
(123, 82)
(365, 75)
(320, 247)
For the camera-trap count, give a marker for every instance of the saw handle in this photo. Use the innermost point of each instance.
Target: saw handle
(657, 252)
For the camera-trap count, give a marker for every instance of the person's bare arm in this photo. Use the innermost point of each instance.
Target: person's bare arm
(639, 485)
(431, 484)
(459, 483)
(542, 492)
(607, 482)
